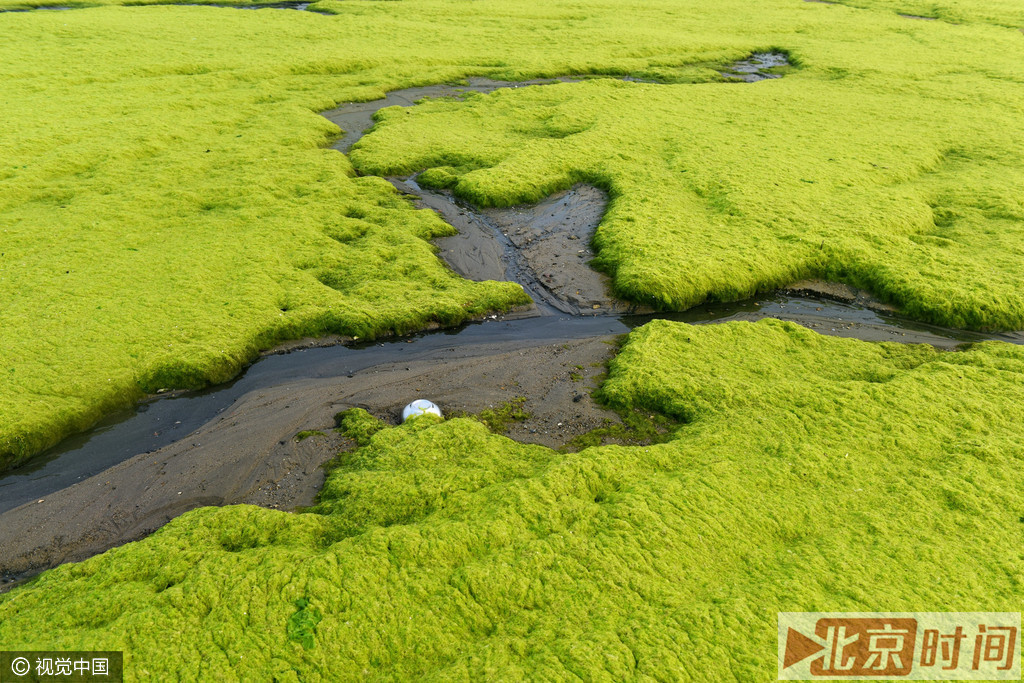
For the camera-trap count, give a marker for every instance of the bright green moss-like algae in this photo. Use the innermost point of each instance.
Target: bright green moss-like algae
(168, 208)
(896, 178)
(812, 473)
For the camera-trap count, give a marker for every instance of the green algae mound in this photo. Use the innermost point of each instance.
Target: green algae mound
(812, 473)
(1007, 13)
(876, 161)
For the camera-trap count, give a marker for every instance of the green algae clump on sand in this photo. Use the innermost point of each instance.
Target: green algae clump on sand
(812, 473)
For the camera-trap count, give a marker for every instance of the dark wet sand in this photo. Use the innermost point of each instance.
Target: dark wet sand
(545, 247)
(553, 239)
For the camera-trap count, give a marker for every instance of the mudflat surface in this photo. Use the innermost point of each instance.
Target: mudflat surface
(545, 247)
(171, 417)
(553, 239)
(250, 453)
(477, 252)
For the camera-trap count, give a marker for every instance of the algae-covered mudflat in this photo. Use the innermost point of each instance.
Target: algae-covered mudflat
(170, 206)
(810, 473)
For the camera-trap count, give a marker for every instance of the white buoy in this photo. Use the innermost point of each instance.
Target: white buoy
(420, 406)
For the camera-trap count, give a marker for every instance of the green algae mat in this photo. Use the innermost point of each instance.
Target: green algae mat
(168, 207)
(808, 473)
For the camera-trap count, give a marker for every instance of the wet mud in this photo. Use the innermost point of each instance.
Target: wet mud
(238, 443)
(545, 247)
(175, 418)
(250, 453)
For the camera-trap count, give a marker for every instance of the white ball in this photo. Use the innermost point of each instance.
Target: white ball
(420, 406)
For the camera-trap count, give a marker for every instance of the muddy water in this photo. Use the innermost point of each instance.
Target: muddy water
(160, 422)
